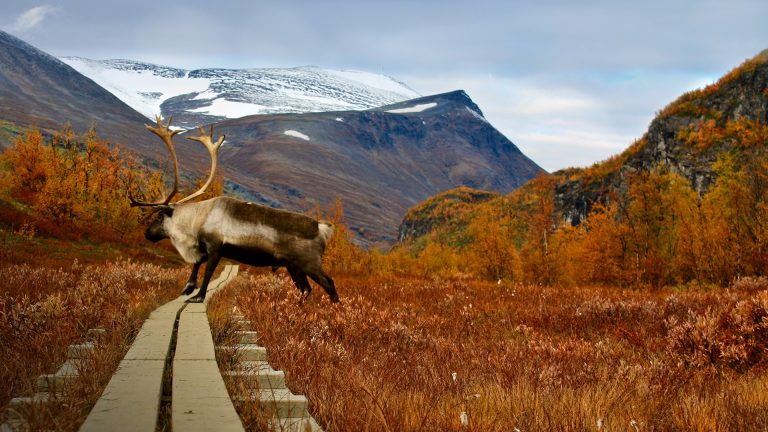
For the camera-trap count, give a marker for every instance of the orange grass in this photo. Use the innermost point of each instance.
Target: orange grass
(409, 354)
(44, 308)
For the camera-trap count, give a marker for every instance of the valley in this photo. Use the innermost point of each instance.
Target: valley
(478, 292)
(377, 155)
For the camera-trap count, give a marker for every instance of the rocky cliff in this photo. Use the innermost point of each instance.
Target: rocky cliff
(687, 137)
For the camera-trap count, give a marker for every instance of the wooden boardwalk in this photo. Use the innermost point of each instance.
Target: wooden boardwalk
(131, 401)
(170, 373)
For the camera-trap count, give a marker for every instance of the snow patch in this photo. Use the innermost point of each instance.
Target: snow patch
(305, 96)
(378, 81)
(229, 109)
(240, 92)
(142, 90)
(476, 114)
(340, 119)
(296, 134)
(208, 94)
(414, 109)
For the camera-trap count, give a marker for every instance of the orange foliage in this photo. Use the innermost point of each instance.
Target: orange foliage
(406, 354)
(489, 254)
(748, 133)
(341, 255)
(742, 132)
(702, 136)
(83, 185)
(540, 221)
(602, 248)
(28, 159)
(215, 189)
(659, 232)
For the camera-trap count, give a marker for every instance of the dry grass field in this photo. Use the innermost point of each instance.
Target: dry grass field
(48, 302)
(410, 354)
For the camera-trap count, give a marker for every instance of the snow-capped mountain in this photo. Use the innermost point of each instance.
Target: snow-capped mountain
(208, 95)
(380, 161)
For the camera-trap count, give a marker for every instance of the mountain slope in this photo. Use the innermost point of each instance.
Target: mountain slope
(380, 161)
(37, 89)
(208, 95)
(687, 138)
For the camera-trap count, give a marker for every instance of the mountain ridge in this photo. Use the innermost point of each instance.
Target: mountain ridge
(31, 78)
(207, 95)
(379, 161)
(687, 137)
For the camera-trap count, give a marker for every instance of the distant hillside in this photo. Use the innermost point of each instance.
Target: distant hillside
(687, 138)
(38, 89)
(450, 210)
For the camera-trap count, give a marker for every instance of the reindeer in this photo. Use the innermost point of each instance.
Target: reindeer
(224, 227)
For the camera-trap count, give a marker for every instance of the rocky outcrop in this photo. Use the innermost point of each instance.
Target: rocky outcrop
(687, 137)
(742, 94)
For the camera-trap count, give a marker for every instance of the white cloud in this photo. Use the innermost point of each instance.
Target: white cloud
(32, 17)
(572, 146)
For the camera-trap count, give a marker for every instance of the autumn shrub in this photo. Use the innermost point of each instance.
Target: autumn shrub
(750, 283)
(28, 160)
(77, 182)
(341, 254)
(45, 309)
(735, 336)
(449, 354)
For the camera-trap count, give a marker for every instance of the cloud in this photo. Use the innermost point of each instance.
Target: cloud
(32, 17)
(570, 83)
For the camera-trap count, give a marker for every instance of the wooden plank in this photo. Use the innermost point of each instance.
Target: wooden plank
(200, 398)
(131, 400)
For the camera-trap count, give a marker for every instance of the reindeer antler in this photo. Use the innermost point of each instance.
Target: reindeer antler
(166, 134)
(213, 150)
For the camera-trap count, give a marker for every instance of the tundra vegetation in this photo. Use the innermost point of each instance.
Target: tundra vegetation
(652, 314)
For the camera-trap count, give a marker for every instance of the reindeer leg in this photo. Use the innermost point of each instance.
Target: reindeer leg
(300, 280)
(214, 255)
(192, 282)
(318, 275)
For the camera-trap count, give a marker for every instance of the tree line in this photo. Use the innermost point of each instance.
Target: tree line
(658, 232)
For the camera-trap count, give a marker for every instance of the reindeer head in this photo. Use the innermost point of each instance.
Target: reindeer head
(164, 209)
(156, 230)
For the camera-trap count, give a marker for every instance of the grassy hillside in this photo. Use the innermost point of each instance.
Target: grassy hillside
(683, 204)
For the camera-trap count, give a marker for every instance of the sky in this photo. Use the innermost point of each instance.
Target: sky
(569, 82)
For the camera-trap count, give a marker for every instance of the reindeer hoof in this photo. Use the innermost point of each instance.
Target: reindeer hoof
(196, 299)
(188, 289)
(334, 299)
